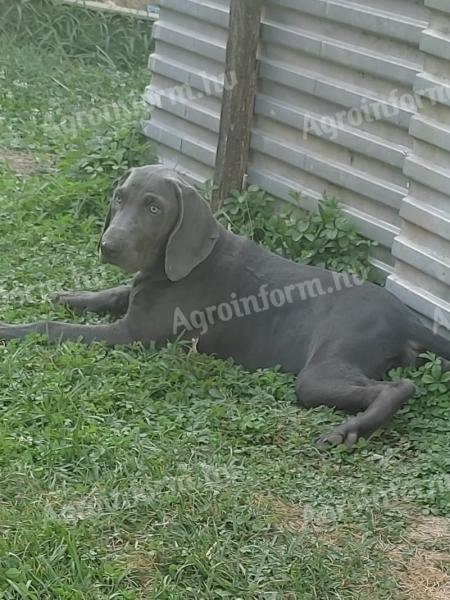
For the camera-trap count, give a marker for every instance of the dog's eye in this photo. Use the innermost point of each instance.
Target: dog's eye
(155, 210)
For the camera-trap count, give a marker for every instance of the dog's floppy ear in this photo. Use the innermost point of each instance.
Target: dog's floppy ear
(195, 233)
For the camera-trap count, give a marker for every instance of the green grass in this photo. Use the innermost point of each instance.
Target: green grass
(101, 39)
(128, 474)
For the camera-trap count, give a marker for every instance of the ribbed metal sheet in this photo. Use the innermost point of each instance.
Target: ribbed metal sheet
(388, 163)
(323, 58)
(187, 83)
(422, 250)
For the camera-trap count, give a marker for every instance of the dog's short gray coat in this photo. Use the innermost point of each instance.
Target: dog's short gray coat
(339, 336)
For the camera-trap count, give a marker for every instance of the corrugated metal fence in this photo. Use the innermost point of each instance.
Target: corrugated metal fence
(353, 102)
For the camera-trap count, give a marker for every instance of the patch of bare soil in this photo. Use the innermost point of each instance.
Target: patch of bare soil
(421, 573)
(21, 163)
(141, 562)
(430, 529)
(287, 516)
(420, 562)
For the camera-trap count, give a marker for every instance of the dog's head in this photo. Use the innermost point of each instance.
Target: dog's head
(157, 219)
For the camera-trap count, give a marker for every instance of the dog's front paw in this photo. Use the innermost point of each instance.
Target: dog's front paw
(60, 298)
(76, 301)
(5, 332)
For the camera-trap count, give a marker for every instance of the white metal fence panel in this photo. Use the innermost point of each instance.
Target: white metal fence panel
(422, 250)
(187, 83)
(347, 106)
(327, 118)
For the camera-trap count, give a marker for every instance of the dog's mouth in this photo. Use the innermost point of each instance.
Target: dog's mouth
(107, 256)
(116, 260)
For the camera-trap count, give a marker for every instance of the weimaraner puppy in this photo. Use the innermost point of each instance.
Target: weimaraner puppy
(195, 280)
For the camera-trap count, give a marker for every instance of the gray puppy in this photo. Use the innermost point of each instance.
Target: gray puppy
(338, 334)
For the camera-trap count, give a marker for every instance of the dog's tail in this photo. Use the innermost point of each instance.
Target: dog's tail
(430, 341)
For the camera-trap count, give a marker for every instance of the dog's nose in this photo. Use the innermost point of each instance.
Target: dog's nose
(108, 249)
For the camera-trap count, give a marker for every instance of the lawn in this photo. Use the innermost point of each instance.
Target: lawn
(130, 474)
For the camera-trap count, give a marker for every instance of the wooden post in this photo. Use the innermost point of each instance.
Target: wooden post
(238, 99)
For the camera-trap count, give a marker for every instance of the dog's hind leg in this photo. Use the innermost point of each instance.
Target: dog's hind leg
(345, 388)
(391, 397)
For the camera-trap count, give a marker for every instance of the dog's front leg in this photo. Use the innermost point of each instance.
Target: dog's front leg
(111, 334)
(114, 301)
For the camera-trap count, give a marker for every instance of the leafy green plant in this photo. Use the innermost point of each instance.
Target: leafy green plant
(430, 377)
(111, 151)
(326, 238)
(433, 378)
